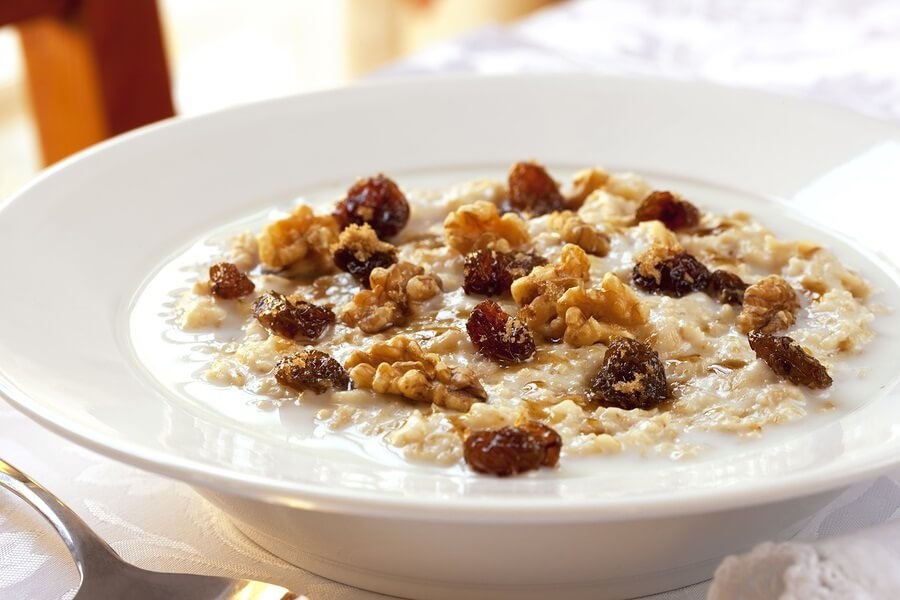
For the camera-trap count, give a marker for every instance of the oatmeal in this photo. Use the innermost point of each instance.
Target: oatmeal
(503, 324)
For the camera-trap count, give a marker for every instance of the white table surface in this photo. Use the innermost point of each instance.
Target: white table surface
(845, 52)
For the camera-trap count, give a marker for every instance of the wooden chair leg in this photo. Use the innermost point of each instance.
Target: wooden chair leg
(97, 70)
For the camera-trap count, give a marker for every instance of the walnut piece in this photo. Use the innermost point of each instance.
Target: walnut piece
(479, 225)
(574, 230)
(769, 306)
(388, 303)
(300, 241)
(585, 183)
(400, 367)
(599, 315)
(538, 292)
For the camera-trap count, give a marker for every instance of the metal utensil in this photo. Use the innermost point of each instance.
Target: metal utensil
(105, 575)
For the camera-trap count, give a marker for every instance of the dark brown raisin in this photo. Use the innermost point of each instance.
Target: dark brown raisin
(228, 282)
(311, 370)
(631, 376)
(726, 287)
(549, 439)
(789, 360)
(679, 275)
(359, 252)
(288, 319)
(376, 201)
(491, 273)
(674, 212)
(503, 452)
(498, 335)
(533, 191)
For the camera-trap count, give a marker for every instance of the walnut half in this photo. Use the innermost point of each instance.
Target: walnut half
(389, 302)
(400, 367)
(300, 241)
(769, 306)
(479, 225)
(598, 315)
(572, 229)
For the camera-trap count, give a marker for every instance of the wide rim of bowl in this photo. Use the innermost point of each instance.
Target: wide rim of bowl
(310, 497)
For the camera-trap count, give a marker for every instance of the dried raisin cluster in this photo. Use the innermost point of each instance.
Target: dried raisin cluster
(631, 376)
(677, 275)
(376, 201)
(491, 273)
(499, 336)
(226, 281)
(725, 287)
(359, 252)
(512, 450)
(789, 360)
(281, 316)
(533, 191)
(675, 213)
(312, 370)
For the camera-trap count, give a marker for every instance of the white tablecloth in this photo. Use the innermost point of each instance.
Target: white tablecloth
(839, 51)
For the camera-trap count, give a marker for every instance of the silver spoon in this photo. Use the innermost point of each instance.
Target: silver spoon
(105, 575)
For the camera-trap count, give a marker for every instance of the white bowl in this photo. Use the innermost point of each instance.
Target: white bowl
(80, 350)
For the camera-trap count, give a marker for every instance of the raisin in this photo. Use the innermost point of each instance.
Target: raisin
(499, 336)
(376, 201)
(359, 252)
(679, 275)
(631, 376)
(226, 281)
(726, 287)
(288, 319)
(491, 273)
(533, 191)
(674, 212)
(503, 452)
(549, 439)
(311, 370)
(789, 360)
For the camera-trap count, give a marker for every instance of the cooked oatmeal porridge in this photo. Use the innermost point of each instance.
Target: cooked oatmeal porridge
(504, 324)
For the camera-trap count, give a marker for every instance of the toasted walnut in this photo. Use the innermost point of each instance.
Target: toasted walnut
(674, 212)
(631, 376)
(228, 282)
(669, 270)
(388, 303)
(358, 251)
(311, 370)
(532, 190)
(497, 335)
(400, 366)
(290, 318)
(480, 225)
(585, 183)
(598, 315)
(769, 306)
(511, 450)
(300, 242)
(538, 292)
(574, 230)
(377, 201)
(790, 360)
(491, 273)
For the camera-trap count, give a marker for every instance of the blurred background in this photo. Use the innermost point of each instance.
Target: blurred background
(57, 95)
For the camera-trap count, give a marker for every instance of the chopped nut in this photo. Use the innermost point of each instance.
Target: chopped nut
(480, 225)
(585, 183)
(358, 251)
(387, 304)
(538, 292)
(574, 230)
(300, 242)
(311, 370)
(400, 366)
(226, 281)
(769, 306)
(598, 315)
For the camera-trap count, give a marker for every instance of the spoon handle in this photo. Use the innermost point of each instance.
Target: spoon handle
(85, 546)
